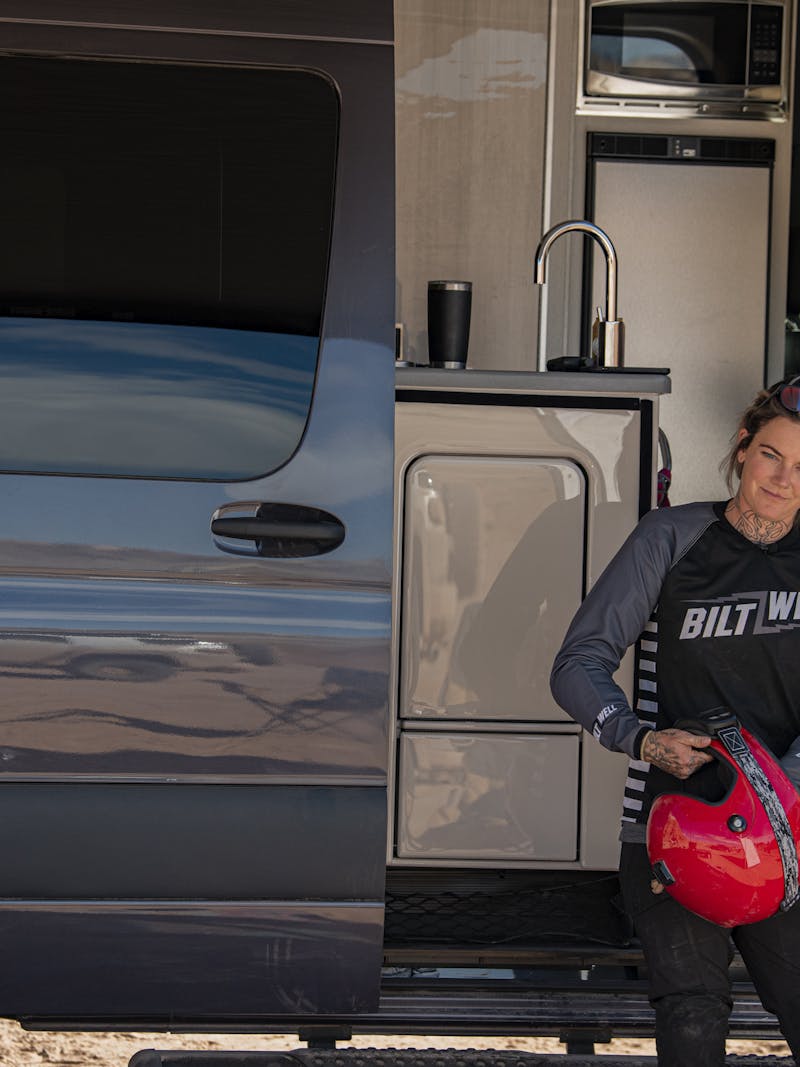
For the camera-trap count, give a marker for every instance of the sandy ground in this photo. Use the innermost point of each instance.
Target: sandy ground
(19, 1048)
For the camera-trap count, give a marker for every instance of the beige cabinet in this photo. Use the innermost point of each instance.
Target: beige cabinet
(512, 492)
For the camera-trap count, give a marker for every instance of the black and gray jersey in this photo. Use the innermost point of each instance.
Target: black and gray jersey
(715, 621)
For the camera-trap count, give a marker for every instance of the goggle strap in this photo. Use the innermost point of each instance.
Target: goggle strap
(740, 752)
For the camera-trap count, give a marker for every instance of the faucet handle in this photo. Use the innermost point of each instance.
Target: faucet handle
(610, 342)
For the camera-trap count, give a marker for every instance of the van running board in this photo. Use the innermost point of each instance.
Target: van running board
(610, 1001)
(411, 1058)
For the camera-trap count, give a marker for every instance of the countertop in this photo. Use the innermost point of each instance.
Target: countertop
(606, 382)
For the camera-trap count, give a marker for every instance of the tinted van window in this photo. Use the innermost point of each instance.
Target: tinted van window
(166, 232)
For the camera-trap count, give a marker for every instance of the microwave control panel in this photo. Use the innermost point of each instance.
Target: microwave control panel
(766, 32)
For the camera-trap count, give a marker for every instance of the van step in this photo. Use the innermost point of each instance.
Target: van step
(349, 1057)
(427, 1004)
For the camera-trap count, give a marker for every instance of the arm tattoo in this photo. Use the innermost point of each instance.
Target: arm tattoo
(655, 751)
(659, 747)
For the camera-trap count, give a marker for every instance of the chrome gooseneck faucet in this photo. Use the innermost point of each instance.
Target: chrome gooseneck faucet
(608, 332)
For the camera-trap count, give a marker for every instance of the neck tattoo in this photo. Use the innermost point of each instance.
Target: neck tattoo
(753, 527)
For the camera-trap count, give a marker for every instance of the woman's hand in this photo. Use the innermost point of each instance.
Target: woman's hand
(676, 751)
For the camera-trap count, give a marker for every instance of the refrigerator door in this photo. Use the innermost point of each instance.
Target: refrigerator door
(693, 243)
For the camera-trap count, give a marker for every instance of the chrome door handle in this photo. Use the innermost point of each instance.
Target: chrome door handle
(282, 530)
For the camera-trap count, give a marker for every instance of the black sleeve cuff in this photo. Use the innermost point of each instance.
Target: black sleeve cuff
(637, 741)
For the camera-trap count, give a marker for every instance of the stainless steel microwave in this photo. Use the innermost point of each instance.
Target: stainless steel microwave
(712, 55)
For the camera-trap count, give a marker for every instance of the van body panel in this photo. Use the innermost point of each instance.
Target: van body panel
(281, 958)
(148, 841)
(153, 671)
(366, 20)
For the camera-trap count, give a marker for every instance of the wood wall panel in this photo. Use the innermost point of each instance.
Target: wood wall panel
(471, 109)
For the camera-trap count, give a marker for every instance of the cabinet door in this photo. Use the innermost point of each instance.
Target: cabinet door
(492, 575)
(484, 796)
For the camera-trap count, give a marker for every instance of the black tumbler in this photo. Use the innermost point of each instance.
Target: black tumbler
(449, 307)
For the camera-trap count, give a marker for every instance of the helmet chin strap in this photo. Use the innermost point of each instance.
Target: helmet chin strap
(739, 751)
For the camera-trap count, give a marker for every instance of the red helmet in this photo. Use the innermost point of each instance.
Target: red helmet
(732, 861)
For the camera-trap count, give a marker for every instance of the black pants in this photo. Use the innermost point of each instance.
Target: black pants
(688, 959)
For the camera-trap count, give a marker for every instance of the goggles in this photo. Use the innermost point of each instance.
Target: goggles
(788, 393)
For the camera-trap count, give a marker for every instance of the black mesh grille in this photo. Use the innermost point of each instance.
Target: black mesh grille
(510, 909)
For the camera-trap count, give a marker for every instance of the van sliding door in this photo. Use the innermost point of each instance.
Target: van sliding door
(196, 415)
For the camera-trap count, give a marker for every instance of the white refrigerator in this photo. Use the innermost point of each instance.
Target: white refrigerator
(690, 219)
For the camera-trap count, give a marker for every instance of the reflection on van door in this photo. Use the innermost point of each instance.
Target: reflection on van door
(195, 458)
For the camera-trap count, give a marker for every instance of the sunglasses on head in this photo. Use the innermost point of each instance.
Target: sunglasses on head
(788, 393)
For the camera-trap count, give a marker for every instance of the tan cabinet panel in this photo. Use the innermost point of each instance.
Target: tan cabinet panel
(493, 572)
(488, 796)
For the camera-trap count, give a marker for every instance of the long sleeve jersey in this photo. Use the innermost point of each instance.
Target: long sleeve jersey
(715, 620)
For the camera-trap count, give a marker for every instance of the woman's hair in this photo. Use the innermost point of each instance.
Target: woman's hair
(765, 407)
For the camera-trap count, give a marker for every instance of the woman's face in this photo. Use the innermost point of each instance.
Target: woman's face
(770, 479)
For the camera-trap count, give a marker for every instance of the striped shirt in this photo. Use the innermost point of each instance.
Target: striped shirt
(715, 621)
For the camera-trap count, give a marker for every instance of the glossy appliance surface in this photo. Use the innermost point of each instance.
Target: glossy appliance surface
(729, 57)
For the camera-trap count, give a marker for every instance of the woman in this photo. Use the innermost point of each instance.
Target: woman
(710, 595)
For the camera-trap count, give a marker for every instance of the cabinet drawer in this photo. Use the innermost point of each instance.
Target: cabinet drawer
(488, 796)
